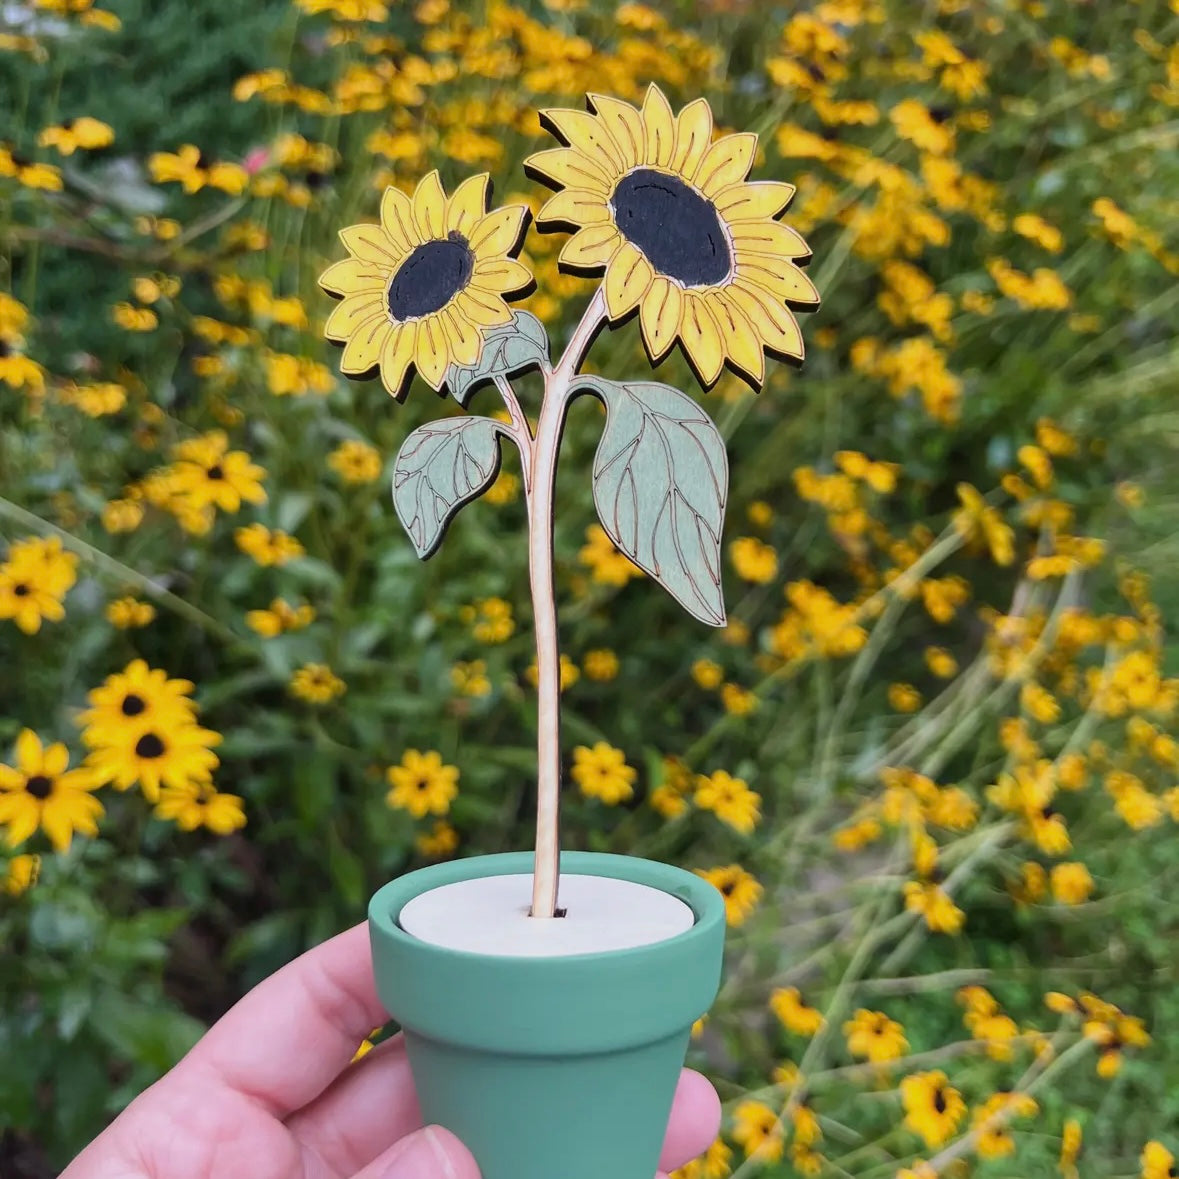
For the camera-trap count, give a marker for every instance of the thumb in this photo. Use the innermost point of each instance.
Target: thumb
(429, 1153)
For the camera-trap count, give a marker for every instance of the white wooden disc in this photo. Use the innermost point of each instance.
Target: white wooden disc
(489, 915)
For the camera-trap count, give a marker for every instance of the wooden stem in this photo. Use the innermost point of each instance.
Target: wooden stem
(544, 608)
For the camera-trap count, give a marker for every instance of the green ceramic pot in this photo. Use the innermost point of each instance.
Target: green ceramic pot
(550, 1068)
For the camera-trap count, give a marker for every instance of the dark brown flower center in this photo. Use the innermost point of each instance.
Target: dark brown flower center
(133, 705)
(679, 231)
(215, 472)
(149, 746)
(939, 1101)
(727, 887)
(430, 277)
(21, 590)
(39, 786)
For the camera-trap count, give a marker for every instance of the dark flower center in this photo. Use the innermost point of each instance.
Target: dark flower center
(21, 590)
(149, 745)
(133, 705)
(939, 1101)
(430, 277)
(215, 472)
(39, 786)
(727, 887)
(5, 350)
(679, 231)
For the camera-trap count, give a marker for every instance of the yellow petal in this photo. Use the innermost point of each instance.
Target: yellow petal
(659, 316)
(468, 204)
(774, 323)
(754, 200)
(431, 355)
(726, 162)
(570, 169)
(397, 220)
(693, 137)
(701, 339)
(501, 276)
(741, 337)
(370, 244)
(352, 275)
(56, 759)
(625, 124)
(780, 278)
(396, 357)
(466, 341)
(659, 125)
(482, 308)
(362, 353)
(574, 206)
(349, 314)
(588, 134)
(768, 238)
(627, 279)
(429, 208)
(591, 247)
(498, 232)
(55, 822)
(28, 752)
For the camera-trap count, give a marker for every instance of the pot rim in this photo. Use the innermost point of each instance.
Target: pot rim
(703, 898)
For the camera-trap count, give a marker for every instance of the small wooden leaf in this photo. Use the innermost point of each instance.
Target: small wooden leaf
(516, 346)
(440, 467)
(661, 479)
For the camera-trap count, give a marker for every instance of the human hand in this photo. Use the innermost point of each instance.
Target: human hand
(269, 1093)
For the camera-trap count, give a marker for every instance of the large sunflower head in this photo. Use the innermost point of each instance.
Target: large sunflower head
(420, 289)
(680, 232)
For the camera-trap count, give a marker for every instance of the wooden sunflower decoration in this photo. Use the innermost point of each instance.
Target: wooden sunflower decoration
(669, 217)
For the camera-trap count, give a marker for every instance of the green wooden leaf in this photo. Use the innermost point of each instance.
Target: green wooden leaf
(440, 467)
(661, 479)
(516, 346)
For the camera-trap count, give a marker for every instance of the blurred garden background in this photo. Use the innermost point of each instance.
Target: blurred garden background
(932, 759)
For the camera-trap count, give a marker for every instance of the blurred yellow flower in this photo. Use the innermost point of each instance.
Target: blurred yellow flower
(317, 684)
(730, 799)
(875, 1037)
(933, 1107)
(40, 792)
(794, 1015)
(355, 461)
(128, 613)
(198, 804)
(601, 772)
(422, 784)
(739, 888)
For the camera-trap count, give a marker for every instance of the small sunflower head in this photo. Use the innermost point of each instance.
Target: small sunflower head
(421, 289)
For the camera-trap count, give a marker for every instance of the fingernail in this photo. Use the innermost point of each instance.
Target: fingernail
(420, 1156)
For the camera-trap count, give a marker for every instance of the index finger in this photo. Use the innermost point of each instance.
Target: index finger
(286, 1041)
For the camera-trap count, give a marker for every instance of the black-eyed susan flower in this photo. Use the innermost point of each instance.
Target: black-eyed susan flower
(420, 289)
(754, 560)
(194, 804)
(268, 546)
(1070, 1148)
(730, 799)
(193, 171)
(741, 891)
(422, 784)
(601, 772)
(568, 674)
(133, 700)
(933, 1107)
(129, 613)
(437, 843)
(162, 754)
(280, 617)
(355, 461)
(40, 792)
(34, 580)
(20, 874)
(758, 1131)
(1157, 1162)
(86, 133)
(209, 474)
(670, 797)
(875, 1037)
(990, 1122)
(606, 564)
(793, 1014)
(600, 664)
(469, 678)
(681, 234)
(714, 1163)
(317, 684)
(934, 904)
